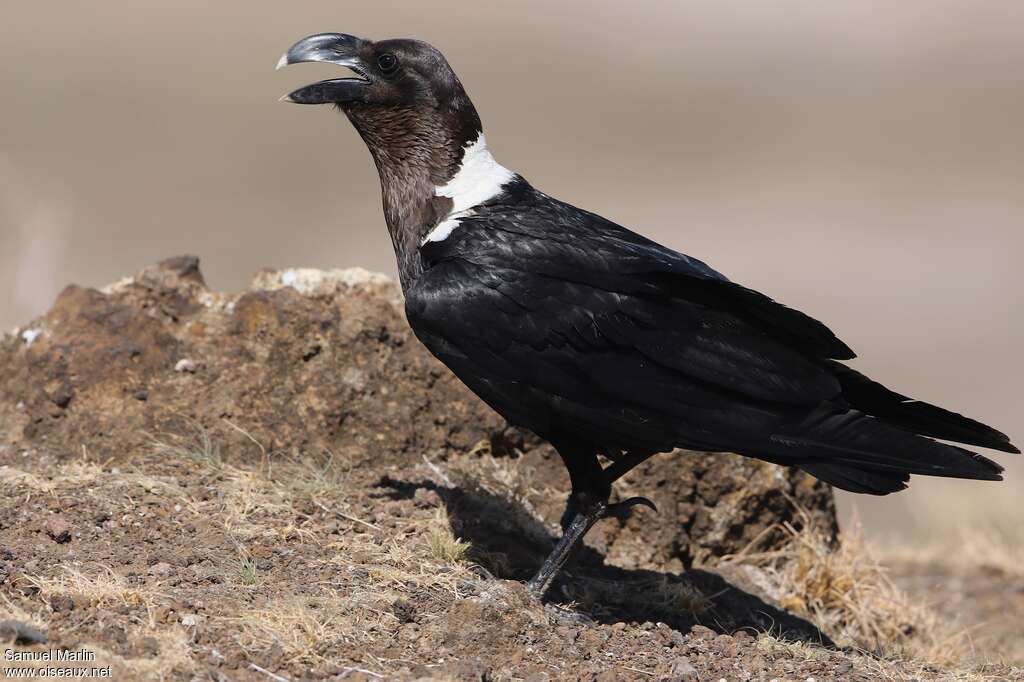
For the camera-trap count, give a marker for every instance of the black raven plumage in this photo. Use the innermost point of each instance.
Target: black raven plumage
(596, 338)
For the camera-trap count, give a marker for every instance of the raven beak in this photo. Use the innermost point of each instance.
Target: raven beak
(336, 48)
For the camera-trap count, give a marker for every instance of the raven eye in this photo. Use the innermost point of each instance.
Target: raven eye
(387, 62)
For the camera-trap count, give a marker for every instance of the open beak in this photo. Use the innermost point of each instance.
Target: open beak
(336, 48)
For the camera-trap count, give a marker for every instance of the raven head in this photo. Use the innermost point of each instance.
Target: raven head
(400, 86)
(415, 117)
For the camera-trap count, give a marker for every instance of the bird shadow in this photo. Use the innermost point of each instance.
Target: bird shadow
(511, 543)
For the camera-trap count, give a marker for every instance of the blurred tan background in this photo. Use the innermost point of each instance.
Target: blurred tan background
(862, 161)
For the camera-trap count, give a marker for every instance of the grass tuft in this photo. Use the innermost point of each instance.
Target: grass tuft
(444, 546)
(847, 593)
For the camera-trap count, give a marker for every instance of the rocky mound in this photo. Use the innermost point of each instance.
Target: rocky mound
(312, 361)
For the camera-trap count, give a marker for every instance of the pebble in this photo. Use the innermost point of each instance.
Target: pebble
(29, 336)
(186, 365)
(62, 603)
(702, 632)
(161, 569)
(404, 611)
(18, 632)
(424, 497)
(683, 670)
(58, 529)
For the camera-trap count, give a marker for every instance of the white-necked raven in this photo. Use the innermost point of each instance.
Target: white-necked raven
(595, 338)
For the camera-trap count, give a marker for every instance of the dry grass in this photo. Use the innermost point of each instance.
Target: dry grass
(73, 474)
(444, 546)
(514, 477)
(243, 569)
(304, 628)
(321, 478)
(198, 446)
(846, 593)
(10, 610)
(98, 586)
(263, 498)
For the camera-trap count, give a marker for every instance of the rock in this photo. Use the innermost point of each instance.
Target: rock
(683, 671)
(62, 603)
(186, 365)
(18, 632)
(316, 361)
(161, 569)
(58, 529)
(403, 611)
(702, 632)
(426, 498)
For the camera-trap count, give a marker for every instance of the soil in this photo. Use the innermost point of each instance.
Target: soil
(282, 484)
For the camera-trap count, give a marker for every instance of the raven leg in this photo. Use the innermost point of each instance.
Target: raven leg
(588, 504)
(571, 537)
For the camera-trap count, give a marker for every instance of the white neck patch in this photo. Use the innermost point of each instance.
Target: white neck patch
(478, 179)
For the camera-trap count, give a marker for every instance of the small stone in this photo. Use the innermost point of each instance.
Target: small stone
(29, 336)
(161, 569)
(424, 497)
(190, 620)
(410, 632)
(58, 529)
(683, 670)
(403, 611)
(62, 603)
(726, 646)
(702, 632)
(18, 632)
(186, 365)
(63, 395)
(146, 646)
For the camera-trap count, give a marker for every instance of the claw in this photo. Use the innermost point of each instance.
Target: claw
(622, 509)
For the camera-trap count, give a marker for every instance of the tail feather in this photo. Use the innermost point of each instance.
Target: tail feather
(875, 399)
(857, 480)
(861, 453)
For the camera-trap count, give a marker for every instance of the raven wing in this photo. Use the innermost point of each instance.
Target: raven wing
(565, 242)
(635, 345)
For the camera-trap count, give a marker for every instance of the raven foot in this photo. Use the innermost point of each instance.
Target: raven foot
(622, 510)
(578, 523)
(581, 522)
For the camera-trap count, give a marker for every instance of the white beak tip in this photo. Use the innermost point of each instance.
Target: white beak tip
(282, 62)
(285, 98)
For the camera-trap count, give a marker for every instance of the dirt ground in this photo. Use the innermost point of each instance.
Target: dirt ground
(387, 538)
(175, 564)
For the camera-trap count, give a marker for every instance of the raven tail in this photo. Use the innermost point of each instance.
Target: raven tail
(918, 417)
(860, 453)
